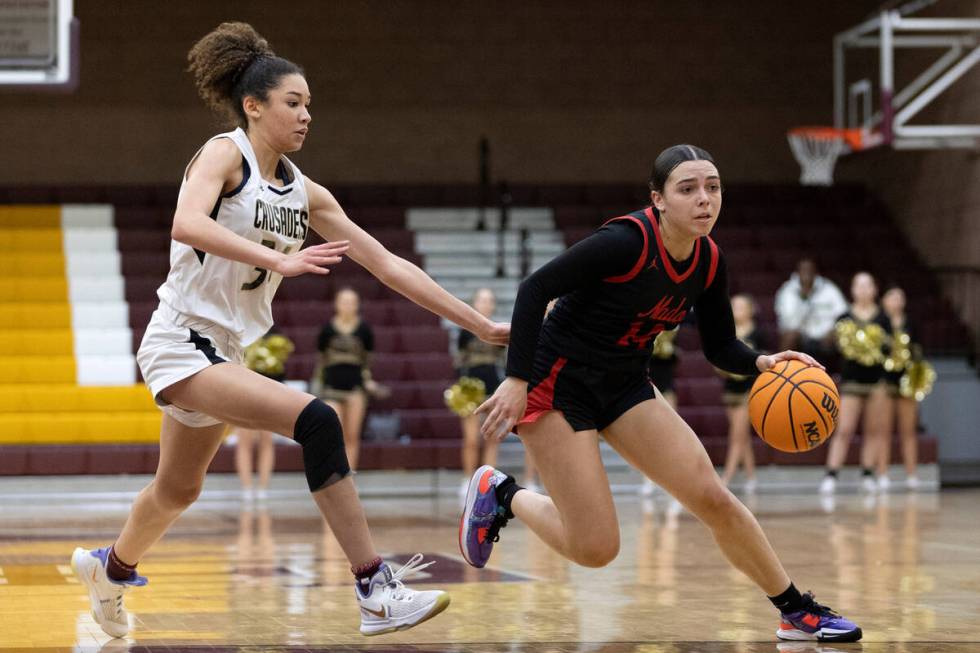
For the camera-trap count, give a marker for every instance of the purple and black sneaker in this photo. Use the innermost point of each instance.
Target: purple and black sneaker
(483, 516)
(817, 622)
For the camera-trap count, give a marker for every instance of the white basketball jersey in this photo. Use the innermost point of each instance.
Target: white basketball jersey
(238, 296)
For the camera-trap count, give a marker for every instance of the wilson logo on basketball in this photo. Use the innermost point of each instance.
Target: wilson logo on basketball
(812, 434)
(829, 405)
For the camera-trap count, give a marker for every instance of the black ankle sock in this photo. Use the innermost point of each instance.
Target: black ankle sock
(789, 601)
(505, 494)
(832, 473)
(866, 472)
(116, 569)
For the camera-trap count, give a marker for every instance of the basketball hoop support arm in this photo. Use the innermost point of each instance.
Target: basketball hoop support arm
(888, 31)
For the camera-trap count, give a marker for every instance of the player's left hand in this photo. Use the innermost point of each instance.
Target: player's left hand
(496, 333)
(503, 409)
(765, 361)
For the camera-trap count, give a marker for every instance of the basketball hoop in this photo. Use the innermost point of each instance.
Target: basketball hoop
(817, 149)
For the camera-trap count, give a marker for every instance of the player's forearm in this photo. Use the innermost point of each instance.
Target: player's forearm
(732, 356)
(201, 232)
(409, 280)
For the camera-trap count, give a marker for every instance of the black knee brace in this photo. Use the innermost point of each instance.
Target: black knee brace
(324, 457)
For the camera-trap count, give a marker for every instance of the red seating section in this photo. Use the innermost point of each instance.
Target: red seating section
(763, 230)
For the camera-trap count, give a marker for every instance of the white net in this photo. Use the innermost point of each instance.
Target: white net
(817, 154)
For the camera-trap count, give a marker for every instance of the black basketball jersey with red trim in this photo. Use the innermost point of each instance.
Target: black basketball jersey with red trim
(612, 322)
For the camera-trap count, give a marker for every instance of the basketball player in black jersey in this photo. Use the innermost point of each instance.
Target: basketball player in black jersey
(584, 374)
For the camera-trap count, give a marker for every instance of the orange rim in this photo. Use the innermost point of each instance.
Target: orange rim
(853, 137)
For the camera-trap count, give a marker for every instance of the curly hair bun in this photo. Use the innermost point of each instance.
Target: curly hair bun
(220, 59)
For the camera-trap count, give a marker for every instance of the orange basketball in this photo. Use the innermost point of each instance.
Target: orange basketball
(793, 407)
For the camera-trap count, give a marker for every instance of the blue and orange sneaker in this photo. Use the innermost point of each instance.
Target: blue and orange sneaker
(817, 622)
(483, 516)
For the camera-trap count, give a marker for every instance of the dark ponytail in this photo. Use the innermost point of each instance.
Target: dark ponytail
(233, 62)
(670, 159)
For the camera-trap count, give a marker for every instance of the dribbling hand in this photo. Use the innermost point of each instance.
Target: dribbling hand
(765, 362)
(313, 260)
(502, 410)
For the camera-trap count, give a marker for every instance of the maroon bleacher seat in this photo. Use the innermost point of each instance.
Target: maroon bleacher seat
(575, 234)
(692, 391)
(387, 340)
(745, 260)
(688, 338)
(143, 288)
(561, 195)
(405, 312)
(419, 195)
(142, 264)
(437, 423)
(144, 240)
(306, 288)
(429, 366)
(756, 283)
(396, 240)
(567, 217)
(693, 364)
(613, 195)
(465, 195)
(300, 313)
(706, 421)
(142, 216)
(413, 395)
(423, 339)
(377, 216)
(617, 210)
(779, 261)
(301, 366)
(303, 337)
(386, 368)
(140, 312)
(733, 237)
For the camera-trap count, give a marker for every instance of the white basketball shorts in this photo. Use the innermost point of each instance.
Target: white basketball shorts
(175, 347)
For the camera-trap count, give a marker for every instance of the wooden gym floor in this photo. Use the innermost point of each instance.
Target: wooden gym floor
(230, 577)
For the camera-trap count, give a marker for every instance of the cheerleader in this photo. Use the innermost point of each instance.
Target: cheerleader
(345, 345)
(735, 396)
(266, 356)
(862, 335)
(476, 359)
(906, 407)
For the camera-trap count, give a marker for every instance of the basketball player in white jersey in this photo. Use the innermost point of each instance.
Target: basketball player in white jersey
(243, 213)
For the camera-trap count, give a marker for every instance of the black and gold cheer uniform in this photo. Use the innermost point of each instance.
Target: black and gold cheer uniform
(862, 368)
(480, 360)
(345, 359)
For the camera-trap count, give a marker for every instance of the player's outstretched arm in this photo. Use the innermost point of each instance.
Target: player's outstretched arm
(215, 167)
(329, 220)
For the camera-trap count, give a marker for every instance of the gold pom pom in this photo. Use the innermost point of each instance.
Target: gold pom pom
(861, 344)
(465, 396)
(901, 353)
(663, 345)
(919, 378)
(268, 355)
